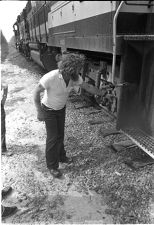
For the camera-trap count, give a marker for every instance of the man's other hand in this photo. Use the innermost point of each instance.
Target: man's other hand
(40, 116)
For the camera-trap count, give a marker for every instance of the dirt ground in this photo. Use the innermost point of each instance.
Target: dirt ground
(98, 188)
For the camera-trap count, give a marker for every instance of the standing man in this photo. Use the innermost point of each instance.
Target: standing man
(56, 86)
(4, 92)
(5, 211)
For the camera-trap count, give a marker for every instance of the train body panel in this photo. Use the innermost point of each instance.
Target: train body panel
(73, 26)
(74, 35)
(64, 12)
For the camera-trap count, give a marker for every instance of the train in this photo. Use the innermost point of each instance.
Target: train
(117, 39)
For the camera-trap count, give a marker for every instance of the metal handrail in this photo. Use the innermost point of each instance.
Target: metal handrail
(114, 41)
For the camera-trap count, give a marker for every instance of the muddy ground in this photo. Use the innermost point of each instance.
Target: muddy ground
(97, 188)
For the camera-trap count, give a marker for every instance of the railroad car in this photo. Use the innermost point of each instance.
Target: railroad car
(117, 39)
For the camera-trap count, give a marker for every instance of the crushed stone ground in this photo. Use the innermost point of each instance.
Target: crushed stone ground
(97, 188)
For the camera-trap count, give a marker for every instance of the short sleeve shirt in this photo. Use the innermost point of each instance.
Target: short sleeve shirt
(56, 93)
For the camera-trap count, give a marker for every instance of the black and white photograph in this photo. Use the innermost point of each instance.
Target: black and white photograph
(77, 112)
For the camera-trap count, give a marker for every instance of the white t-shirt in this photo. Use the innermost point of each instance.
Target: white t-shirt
(56, 93)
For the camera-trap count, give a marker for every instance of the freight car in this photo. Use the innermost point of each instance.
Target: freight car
(117, 38)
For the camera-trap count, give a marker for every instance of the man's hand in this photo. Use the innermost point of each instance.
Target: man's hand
(37, 102)
(4, 87)
(40, 115)
(3, 101)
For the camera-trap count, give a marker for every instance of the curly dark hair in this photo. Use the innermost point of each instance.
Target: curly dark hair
(71, 64)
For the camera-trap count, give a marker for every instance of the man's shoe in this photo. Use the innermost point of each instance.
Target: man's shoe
(56, 173)
(66, 160)
(6, 191)
(6, 153)
(8, 211)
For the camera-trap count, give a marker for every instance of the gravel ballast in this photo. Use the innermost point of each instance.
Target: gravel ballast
(98, 187)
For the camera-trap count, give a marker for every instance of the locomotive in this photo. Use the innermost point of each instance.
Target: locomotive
(117, 39)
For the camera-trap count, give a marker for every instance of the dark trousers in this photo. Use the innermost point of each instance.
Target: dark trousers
(55, 122)
(3, 129)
